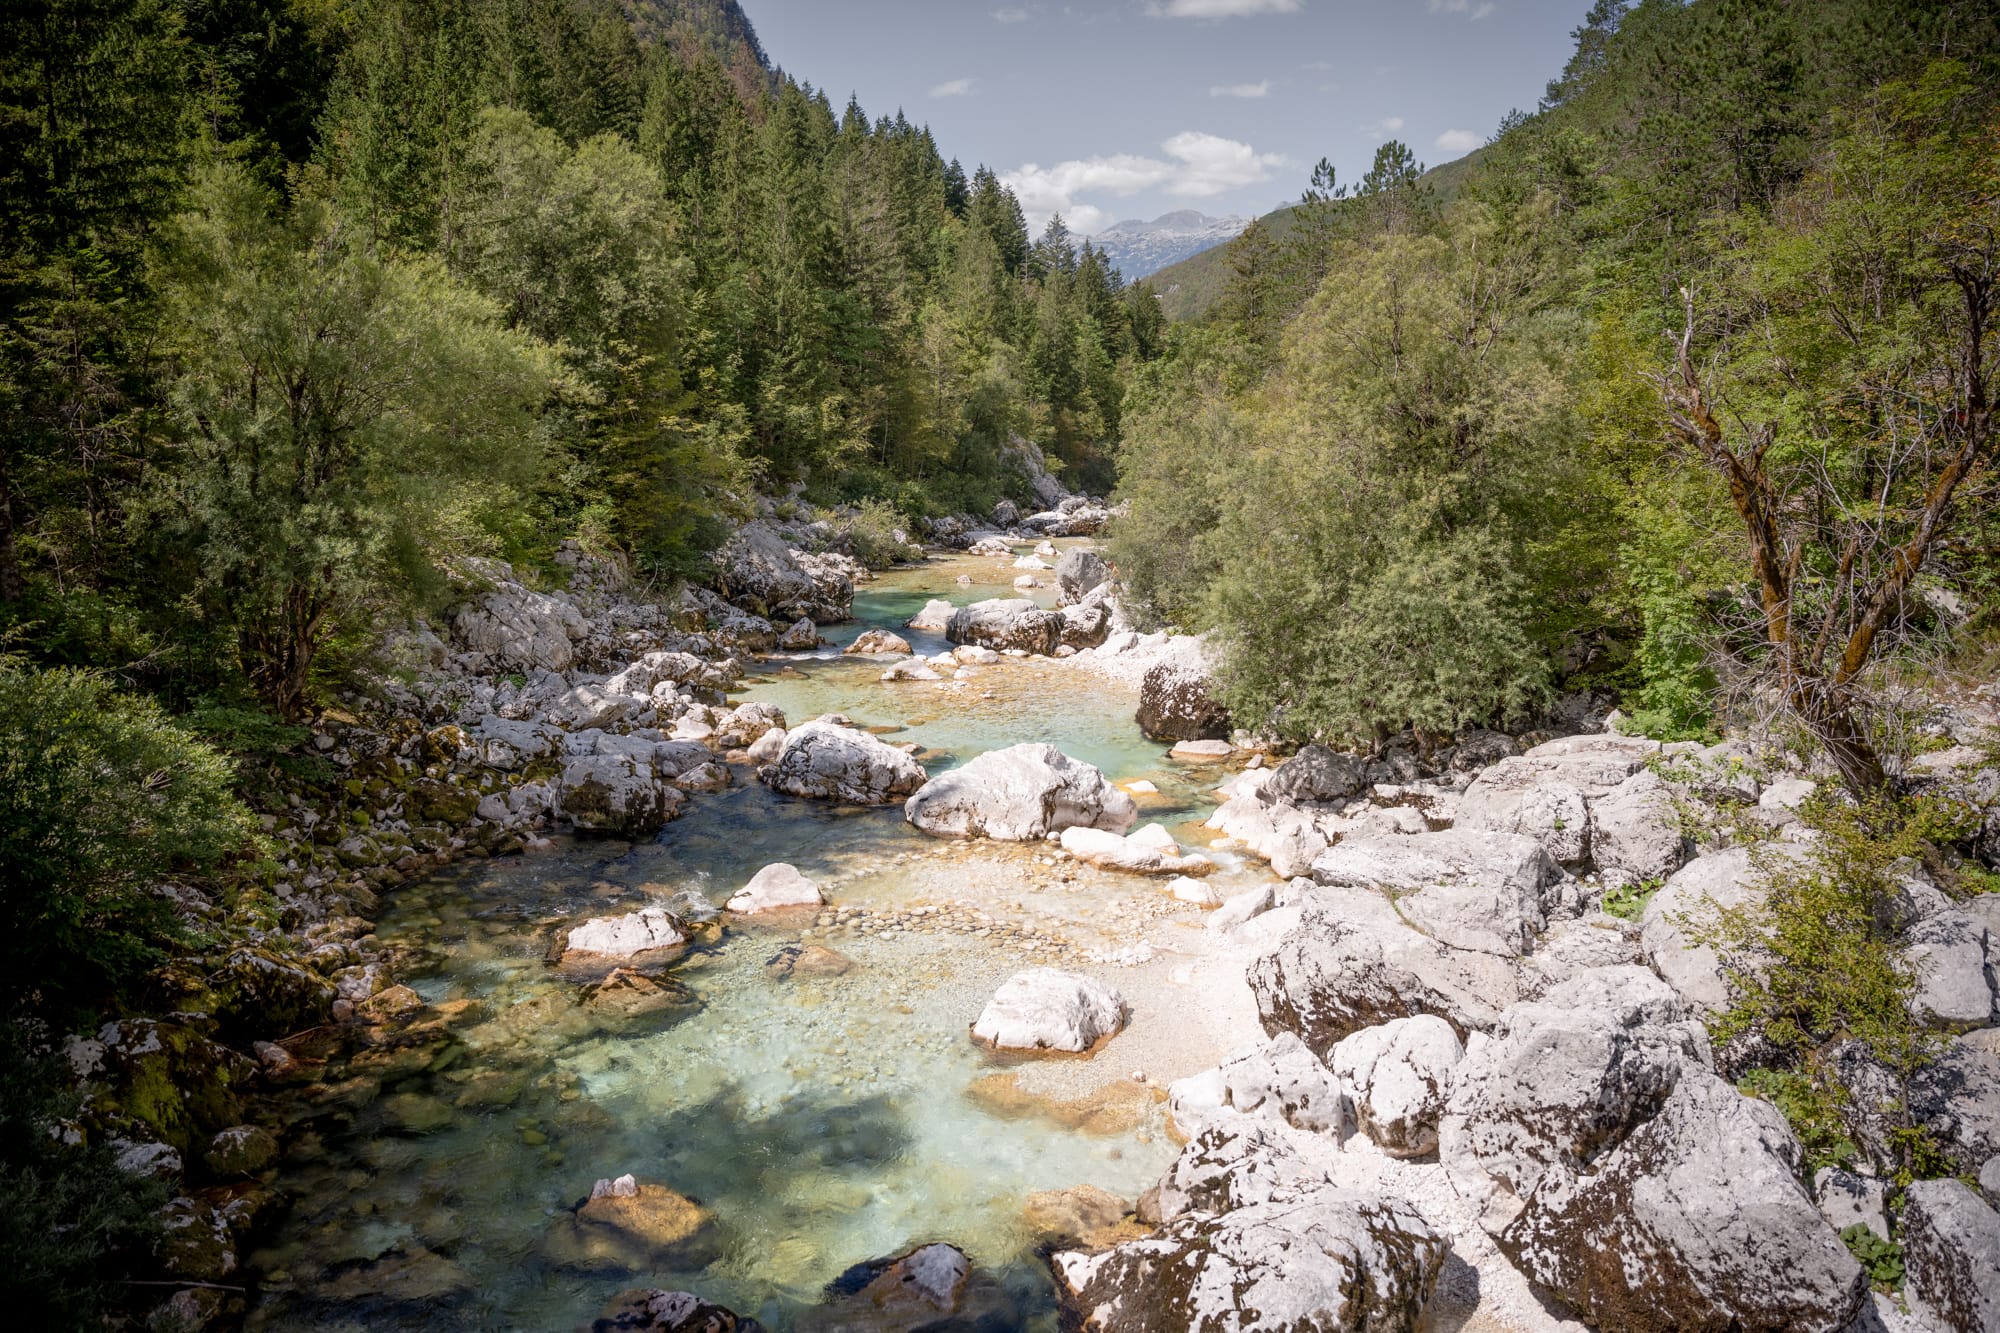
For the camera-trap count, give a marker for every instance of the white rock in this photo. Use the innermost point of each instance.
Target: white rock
(1687, 905)
(776, 886)
(1190, 890)
(1020, 793)
(1276, 1080)
(1047, 1009)
(831, 762)
(1398, 1075)
(643, 931)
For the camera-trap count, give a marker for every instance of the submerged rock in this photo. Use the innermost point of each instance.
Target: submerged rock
(1019, 793)
(1082, 1215)
(807, 960)
(829, 762)
(1047, 1009)
(628, 1226)
(651, 1310)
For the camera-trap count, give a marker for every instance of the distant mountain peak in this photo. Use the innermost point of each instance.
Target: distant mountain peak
(1139, 248)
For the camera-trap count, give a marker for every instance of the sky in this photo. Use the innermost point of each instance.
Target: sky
(1110, 109)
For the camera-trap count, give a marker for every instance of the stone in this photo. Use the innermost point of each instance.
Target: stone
(1948, 952)
(1846, 1200)
(255, 992)
(240, 1150)
(807, 960)
(914, 669)
(1110, 851)
(1017, 794)
(1187, 889)
(628, 997)
(935, 616)
(1398, 1075)
(878, 641)
(1281, 834)
(774, 888)
(634, 935)
(518, 630)
(1082, 1215)
(1634, 828)
(1469, 889)
(1316, 773)
(1202, 751)
(626, 1225)
(1349, 964)
(1278, 1080)
(921, 1289)
(801, 636)
(1520, 797)
(1957, 1098)
(1044, 1008)
(194, 1243)
(1078, 572)
(651, 1310)
(1177, 703)
(163, 1075)
(1288, 1254)
(1951, 1255)
(1696, 1220)
(759, 569)
(1685, 905)
(616, 794)
(829, 762)
(1004, 623)
(1243, 907)
(1561, 1081)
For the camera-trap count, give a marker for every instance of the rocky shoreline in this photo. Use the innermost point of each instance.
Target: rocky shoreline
(1433, 963)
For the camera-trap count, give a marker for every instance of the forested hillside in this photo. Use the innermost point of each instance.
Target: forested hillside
(1740, 259)
(524, 271)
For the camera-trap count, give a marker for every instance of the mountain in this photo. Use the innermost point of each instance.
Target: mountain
(1141, 248)
(715, 27)
(1189, 285)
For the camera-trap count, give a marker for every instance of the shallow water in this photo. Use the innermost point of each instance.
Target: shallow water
(825, 1122)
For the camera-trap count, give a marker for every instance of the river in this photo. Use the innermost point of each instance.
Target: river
(824, 1121)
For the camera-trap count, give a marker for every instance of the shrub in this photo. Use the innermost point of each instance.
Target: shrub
(101, 796)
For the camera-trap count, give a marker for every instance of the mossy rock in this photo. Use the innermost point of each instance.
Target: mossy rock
(442, 803)
(170, 1078)
(258, 994)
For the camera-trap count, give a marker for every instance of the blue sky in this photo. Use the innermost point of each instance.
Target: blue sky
(1109, 109)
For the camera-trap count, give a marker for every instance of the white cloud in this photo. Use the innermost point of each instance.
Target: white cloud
(1196, 166)
(1474, 10)
(1386, 128)
(1011, 15)
(1259, 89)
(953, 88)
(1220, 9)
(1458, 141)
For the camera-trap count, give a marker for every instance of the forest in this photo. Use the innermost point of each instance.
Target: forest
(1680, 396)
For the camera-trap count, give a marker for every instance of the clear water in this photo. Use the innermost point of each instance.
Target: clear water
(825, 1121)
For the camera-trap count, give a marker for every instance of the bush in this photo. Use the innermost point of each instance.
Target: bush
(101, 796)
(872, 531)
(1820, 967)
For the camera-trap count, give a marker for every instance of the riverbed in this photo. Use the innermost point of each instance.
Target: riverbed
(824, 1121)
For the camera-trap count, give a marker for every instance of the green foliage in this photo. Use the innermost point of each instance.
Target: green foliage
(68, 1215)
(1881, 1259)
(101, 798)
(1819, 963)
(1814, 1106)
(344, 419)
(1628, 901)
(877, 533)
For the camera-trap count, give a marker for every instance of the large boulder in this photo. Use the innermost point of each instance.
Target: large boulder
(836, 763)
(1001, 623)
(1351, 963)
(1550, 794)
(1316, 773)
(649, 933)
(1044, 1008)
(877, 642)
(258, 993)
(758, 569)
(1696, 1221)
(616, 793)
(1261, 1244)
(1948, 951)
(629, 1226)
(1079, 572)
(1278, 1080)
(1468, 889)
(1562, 1080)
(1177, 703)
(516, 629)
(1634, 828)
(167, 1077)
(935, 616)
(1951, 1255)
(1672, 926)
(1019, 793)
(1398, 1076)
(1957, 1097)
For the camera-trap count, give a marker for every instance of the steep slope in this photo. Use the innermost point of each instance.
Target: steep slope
(717, 27)
(1190, 286)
